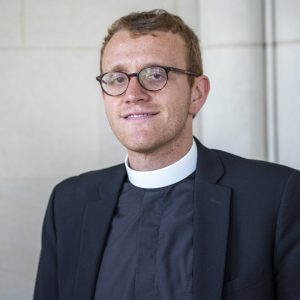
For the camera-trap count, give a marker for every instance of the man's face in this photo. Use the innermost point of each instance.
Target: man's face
(142, 120)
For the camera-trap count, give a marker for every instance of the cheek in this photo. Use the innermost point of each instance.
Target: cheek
(179, 108)
(109, 108)
(179, 103)
(111, 114)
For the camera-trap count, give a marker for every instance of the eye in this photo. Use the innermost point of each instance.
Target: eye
(115, 78)
(154, 74)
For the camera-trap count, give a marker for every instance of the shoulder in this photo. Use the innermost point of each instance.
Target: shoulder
(235, 162)
(230, 169)
(91, 177)
(88, 182)
(239, 171)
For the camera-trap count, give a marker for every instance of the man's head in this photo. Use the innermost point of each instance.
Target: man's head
(142, 23)
(152, 84)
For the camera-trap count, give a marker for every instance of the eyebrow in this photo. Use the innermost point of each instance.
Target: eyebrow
(121, 68)
(116, 68)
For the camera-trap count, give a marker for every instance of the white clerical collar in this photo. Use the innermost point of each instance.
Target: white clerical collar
(165, 176)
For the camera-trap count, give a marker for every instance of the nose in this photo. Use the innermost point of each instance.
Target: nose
(135, 92)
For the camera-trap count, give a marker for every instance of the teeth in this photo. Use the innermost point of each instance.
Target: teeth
(138, 116)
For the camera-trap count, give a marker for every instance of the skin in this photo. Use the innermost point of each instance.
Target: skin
(161, 132)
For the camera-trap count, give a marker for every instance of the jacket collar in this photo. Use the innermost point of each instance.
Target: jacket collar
(209, 165)
(211, 224)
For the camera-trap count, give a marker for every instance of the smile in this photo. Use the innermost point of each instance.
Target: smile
(140, 116)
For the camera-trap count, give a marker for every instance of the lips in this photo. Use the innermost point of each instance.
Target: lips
(139, 115)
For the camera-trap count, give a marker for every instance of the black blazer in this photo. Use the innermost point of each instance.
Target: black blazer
(246, 231)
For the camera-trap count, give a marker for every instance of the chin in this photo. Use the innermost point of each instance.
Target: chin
(139, 146)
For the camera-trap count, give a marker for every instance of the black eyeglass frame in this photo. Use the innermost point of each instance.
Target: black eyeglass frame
(136, 74)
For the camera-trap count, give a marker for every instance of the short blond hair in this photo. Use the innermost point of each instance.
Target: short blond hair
(141, 23)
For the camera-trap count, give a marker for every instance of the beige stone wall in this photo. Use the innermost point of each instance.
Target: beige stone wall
(251, 53)
(52, 122)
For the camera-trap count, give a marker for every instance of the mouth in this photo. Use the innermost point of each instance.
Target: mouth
(139, 116)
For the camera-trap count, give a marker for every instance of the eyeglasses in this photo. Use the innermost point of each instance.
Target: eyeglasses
(152, 78)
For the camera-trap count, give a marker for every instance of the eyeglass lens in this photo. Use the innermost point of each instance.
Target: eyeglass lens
(150, 78)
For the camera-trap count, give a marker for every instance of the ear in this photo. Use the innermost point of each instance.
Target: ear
(199, 93)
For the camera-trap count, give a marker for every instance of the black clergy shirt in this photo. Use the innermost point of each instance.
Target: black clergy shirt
(149, 252)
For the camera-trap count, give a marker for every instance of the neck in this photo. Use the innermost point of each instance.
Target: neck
(159, 158)
(169, 175)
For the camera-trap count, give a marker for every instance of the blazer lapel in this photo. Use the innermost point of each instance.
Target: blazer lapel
(95, 226)
(211, 222)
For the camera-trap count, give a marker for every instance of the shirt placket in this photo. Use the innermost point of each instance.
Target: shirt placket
(147, 243)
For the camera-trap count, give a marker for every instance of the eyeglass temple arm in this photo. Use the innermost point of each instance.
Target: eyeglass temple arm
(183, 71)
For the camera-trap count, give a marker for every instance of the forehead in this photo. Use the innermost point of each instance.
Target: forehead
(129, 52)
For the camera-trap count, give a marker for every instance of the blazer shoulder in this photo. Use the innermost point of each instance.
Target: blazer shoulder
(253, 172)
(90, 179)
(230, 160)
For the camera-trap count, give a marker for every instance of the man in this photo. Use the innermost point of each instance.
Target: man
(177, 221)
